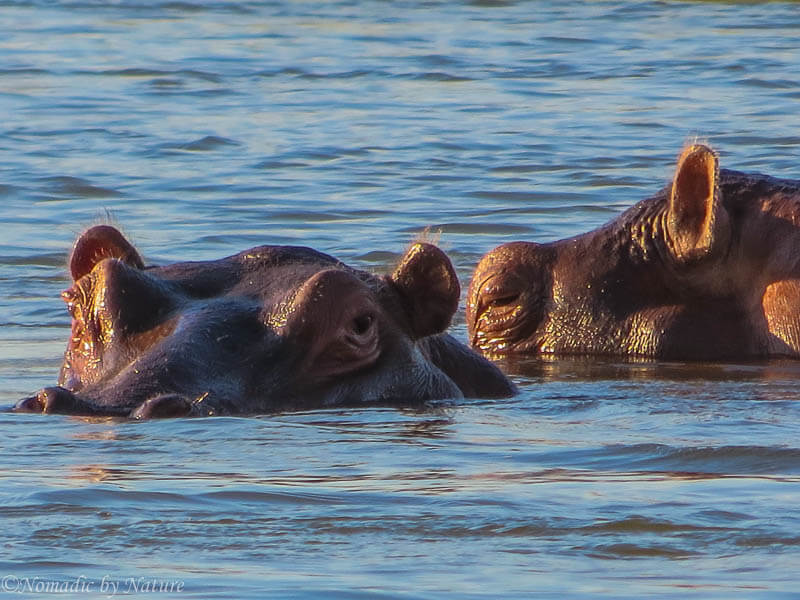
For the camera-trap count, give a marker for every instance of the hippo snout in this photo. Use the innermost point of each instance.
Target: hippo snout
(59, 400)
(48, 400)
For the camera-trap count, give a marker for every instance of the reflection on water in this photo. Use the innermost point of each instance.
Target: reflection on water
(203, 128)
(591, 368)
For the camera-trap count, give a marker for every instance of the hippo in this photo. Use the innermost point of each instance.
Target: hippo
(273, 328)
(707, 269)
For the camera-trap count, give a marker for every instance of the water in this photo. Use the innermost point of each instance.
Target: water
(203, 128)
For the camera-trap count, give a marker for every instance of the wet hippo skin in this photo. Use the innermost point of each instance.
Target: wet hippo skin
(273, 328)
(707, 269)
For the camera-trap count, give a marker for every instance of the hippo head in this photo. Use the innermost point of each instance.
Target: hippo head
(707, 269)
(272, 328)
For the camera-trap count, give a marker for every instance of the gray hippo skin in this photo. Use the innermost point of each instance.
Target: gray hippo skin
(707, 269)
(273, 328)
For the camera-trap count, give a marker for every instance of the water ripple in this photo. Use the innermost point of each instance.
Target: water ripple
(204, 144)
(75, 186)
(733, 460)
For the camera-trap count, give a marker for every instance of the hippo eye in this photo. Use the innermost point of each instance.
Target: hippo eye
(501, 294)
(503, 300)
(70, 297)
(77, 296)
(362, 323)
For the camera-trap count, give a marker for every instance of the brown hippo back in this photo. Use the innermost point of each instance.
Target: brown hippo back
(707, 269)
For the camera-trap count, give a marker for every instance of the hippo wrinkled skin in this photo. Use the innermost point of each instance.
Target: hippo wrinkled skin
(270, 329)
(707, 269)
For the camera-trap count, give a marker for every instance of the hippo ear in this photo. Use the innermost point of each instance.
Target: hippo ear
(98, 243)
(428, 285)
(697, 223)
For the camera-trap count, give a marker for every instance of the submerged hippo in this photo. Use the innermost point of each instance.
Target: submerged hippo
(707, 269)
(272, 328)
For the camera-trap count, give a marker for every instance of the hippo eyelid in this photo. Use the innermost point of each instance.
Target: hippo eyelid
(503, 299)
(500, 293)
(77, 293)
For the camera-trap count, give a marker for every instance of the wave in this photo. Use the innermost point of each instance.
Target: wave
(678, 461)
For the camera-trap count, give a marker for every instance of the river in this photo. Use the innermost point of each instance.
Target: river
(204, 127)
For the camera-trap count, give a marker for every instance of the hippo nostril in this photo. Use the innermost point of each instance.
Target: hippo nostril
(31, 404)
(48, 400)
(163, 406)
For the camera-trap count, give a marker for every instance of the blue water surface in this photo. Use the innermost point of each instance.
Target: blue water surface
(202, 128)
